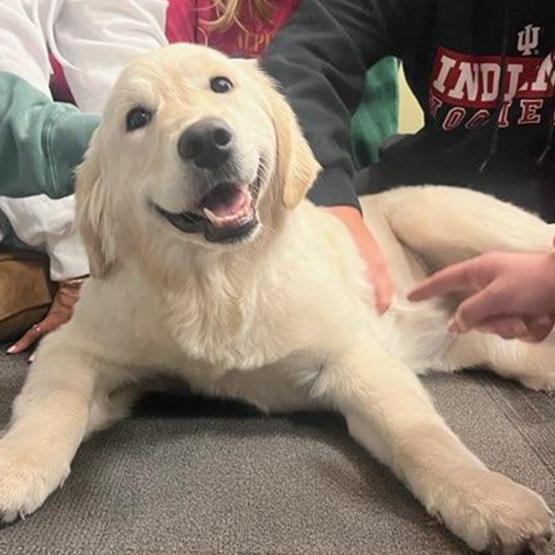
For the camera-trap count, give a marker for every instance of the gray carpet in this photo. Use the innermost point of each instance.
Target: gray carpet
(196, 476)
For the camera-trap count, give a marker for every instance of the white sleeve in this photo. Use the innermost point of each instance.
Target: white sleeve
(22, 43)
(95, 39)
(48, 225)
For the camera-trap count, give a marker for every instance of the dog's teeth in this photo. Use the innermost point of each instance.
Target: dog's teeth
(219, 221)
(216, 220)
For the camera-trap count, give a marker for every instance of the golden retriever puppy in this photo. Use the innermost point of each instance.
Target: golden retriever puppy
(209, 265)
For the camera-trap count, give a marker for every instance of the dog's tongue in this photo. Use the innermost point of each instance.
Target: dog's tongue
(226, 200)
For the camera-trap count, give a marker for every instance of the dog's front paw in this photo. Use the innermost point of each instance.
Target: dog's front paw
(493, 514)
(27, 478)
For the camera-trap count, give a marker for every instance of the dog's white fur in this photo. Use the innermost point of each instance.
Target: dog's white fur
(283, 320)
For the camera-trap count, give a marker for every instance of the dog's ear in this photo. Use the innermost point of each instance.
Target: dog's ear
(92, 219)
(297, 167)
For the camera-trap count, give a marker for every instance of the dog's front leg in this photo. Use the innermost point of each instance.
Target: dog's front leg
(389, 412)
(48, 423)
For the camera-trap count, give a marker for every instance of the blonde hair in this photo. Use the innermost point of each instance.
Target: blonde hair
(229, 12)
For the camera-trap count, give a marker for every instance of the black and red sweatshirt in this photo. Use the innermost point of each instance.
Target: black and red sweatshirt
(482, 71)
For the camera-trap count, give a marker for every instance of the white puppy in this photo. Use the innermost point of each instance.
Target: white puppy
(209, 265)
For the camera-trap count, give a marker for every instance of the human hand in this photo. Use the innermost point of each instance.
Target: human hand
(377, 270)
(60, 312)
(511, 294)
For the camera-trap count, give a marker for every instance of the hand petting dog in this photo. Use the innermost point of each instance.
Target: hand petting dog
(511, 294)
(376, 267)
(59, 313)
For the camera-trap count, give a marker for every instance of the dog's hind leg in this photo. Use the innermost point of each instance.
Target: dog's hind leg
(49, 420)
(447, 224)
(107, 409)
(532, 364)
(389, 413)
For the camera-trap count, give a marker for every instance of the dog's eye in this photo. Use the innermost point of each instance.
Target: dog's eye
(137, 118)
(221, 84)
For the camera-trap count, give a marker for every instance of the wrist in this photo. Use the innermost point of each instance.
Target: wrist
(344, 210)
(349, 215)
(73, 283)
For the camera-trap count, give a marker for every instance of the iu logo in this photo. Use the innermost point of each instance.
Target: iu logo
(528, 39)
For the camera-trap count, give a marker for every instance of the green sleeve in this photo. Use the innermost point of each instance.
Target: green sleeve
(376, 118)
(41, 141)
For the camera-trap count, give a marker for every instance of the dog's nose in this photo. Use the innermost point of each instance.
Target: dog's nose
(207, 143)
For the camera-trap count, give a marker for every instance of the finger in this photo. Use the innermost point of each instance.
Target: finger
(384, 293)
(50, 323)
(463, 276)
(489, 303)
(53, 321)
(538, 329)
(507, 327)
(514, 327)
(28, 339)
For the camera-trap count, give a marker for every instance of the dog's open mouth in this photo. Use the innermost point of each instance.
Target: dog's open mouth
(227, 213)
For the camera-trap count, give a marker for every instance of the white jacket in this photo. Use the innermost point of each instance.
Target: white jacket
(93, 40)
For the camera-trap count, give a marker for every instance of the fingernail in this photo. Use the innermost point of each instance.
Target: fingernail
(11, 350)
(545, 321)
(453, 327)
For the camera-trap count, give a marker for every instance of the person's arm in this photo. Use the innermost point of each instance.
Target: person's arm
(41, 141)
(320, 60)
(48, 225)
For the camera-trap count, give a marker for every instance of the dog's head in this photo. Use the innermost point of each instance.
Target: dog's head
(193, 148)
